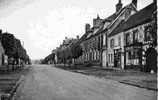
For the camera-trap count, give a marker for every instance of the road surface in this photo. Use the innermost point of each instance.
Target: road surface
(45, 82)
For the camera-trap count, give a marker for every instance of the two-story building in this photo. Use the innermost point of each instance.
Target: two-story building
(121, 14)
(140, 39)
(132, 44)
(122, 39)
(92, 43)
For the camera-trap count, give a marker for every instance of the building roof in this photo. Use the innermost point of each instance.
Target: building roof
(84, 36)
(118, 29)
(110, 18)
(115, 15)
(139, 18)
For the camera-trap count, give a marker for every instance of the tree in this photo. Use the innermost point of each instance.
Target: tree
(17, 48)
(8, 44)
(13, 48)
(59, 55)
(76, 50)
(0, 34)
(20, 52)
(67, 54)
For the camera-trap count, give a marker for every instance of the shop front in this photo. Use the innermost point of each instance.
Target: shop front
(133, 57)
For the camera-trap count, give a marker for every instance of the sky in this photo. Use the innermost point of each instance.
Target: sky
(42, 25)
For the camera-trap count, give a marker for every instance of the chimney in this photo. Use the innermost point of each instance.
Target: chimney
(135, 3)
(97, 21)
(77, 37)
(87, 27)
(118, 6)
(66, 38)
(0, 34)
(98, 16)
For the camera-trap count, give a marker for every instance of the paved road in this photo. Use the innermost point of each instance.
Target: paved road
(49, 83)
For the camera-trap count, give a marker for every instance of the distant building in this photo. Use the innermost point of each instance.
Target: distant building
(91, 43)
(67, 43)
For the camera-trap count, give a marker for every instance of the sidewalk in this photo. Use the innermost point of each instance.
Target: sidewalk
(10, 68)
(9, 81)
(130, 77)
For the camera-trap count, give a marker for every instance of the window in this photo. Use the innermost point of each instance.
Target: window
(135, 36)
(129, 55)
(136, 54)
(112, 43)
(101, 41)
(133, 54)
(95, 55)
(129, 38)
(119, 40)
(109, 58)
(148, 31)
(104, 39)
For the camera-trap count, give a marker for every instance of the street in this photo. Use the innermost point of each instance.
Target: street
(45, 82)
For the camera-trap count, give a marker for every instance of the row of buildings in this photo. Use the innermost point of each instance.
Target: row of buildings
(125, 39)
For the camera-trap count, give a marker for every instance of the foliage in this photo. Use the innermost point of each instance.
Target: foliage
(76, 50)
(64, 54)
(13, 47)
(18, 47)
(8, 44)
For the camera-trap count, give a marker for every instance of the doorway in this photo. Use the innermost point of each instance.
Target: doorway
(151, 60)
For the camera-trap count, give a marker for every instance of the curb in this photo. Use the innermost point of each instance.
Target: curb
(136, 85)
(8, 96)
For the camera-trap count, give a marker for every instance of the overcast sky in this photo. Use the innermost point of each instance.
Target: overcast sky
(43, 24)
